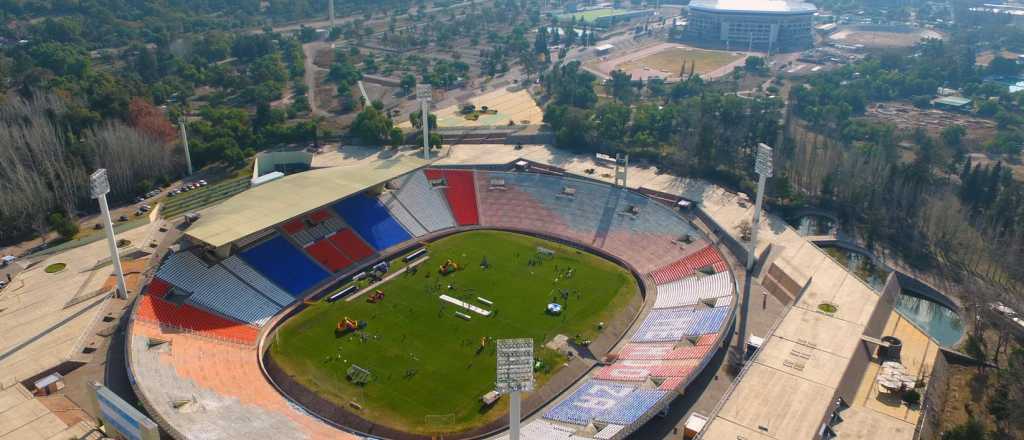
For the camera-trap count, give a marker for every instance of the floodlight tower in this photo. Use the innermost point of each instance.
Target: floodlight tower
(100, 186)
(330, 13)
(184, 141)
(515, 376)
(763, 167)
(423, 94)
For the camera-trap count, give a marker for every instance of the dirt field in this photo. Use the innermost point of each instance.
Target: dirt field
(905, 115)
(882, 36)
(517, 106)
(666, 60)
(986, 57)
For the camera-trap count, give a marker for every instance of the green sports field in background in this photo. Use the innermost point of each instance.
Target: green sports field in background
(426, 361)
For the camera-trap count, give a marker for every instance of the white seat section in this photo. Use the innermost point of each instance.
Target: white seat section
(693, 289)
(261, 283)
(425, 203)
(402, 215)
(216, 289)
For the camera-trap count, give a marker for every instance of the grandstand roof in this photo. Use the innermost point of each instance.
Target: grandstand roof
(762, 6)
(267, 205)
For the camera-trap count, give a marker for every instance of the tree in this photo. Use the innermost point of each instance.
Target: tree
(972, 429)
(408, 83)
(754, 64)
(150, 120)
(416, 119)
(612, 118)
(953, 135)
(63, 225)
(620, 86)
(372, 126)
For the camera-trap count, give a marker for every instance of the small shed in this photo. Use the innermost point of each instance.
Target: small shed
(603, 49)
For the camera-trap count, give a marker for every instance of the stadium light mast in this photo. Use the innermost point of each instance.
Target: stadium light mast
(423, 94)
(764, 169)
(330, 13)
(515, 375)
(100, 186)
(184, 141)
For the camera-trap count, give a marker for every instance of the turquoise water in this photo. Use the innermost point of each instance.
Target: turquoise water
(814, 225)
(935, 319)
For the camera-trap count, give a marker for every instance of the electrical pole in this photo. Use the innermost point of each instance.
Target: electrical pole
(423, 94)
(764, 169)
(184, 141)
(100, 186)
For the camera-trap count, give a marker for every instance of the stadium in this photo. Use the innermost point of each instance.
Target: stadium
(341, 302)
(773, 26)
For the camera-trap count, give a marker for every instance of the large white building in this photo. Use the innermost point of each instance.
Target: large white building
(769, 25)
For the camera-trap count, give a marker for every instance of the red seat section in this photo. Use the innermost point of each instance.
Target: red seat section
(293, 226)
(157, 310)
(461, 194)
(328, 255)
(319, 216)
(158, 288)
(689, 264)
(351, 244)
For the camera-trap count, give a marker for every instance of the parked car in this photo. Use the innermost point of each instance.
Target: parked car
(7, 260)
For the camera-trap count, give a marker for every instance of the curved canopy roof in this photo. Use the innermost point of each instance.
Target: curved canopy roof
(754, 6)
(266, 205)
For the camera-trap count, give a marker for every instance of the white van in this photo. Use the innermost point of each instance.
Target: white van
(6, 260)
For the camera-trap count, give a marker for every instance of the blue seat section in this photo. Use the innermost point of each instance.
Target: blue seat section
(591, 400)
(285, 265)
(653, 217)
(707, 321)
(372, 221)
(633, 407)
(665, 325)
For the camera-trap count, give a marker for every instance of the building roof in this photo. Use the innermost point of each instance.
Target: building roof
(763, 6)
(264, 206)
(788, 388)
(955, 101)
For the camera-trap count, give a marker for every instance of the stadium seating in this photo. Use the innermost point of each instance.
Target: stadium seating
(159, 311)
(217, 289)
(293, 226)
(649, 237)
(328, 255)
(665, 325)
(158, 288)
(513, 206)
(645, 351)
(350, 243)
(634, 407)
(539, 429)
(461, 194)
(211, 390)
(285, 265)
(403, 215)
(257, 281)
(372, 221)
(426, 204)
(690, 291)
(707, 321)
(707, 257)
(707, 339)
(591, 400)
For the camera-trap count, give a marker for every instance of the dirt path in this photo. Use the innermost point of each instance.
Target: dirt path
(310, 50)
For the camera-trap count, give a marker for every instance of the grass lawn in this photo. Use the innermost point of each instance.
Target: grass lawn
(671, 60)
(412, 329)
(591, 15)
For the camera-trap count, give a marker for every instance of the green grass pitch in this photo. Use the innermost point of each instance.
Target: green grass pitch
(424, 360)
